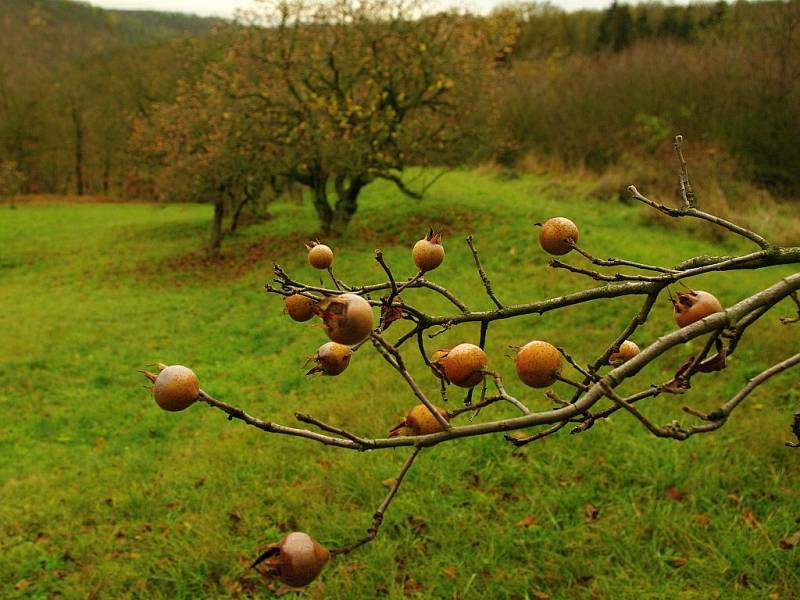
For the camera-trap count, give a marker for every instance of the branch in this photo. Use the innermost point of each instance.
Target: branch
(484, 277)
(693, 212)
(377, 518)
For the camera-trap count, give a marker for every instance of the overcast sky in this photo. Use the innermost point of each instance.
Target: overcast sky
(227, 7)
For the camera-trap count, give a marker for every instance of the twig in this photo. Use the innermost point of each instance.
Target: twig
(686, 188)
(693, 212)
(305, 418)
(487, 284)
(377, 518)
(788, 320)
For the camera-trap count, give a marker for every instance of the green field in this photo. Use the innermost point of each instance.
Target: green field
(103, 495)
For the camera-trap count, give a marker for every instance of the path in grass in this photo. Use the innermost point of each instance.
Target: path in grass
(102, 494)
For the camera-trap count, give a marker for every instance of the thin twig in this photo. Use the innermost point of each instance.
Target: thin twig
(487, 284)
(377, 518)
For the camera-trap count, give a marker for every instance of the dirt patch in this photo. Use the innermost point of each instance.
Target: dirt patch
(21, 201)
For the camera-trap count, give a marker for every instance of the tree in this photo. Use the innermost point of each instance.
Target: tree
(427, 426)
(11, 181)
(348, 92)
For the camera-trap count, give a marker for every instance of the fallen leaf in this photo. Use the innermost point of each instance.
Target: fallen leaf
(743, 580)
(388, 482)
(674, 493)
(200, 482)
(527, 521)
(678, 563)
(235, 516)
(411, 587)
(591, 512)
(539, 595)
(734, 498)
(703, 519)
(174, 504)
(22, 584)
(450, 572)
(750, 519)
(790, 541)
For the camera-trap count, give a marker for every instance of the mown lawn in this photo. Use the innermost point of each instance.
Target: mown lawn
(102, 495)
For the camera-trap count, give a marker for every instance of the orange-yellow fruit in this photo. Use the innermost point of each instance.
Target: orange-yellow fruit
(347, 318)
(428, 253)
(320, 256)
(299, 307)
(555, 233)
(464, 364)
(693, 306)
(419, 421)
(175, 388)
(627, 350)
(296, 560)
(332, 358)
(538, 363)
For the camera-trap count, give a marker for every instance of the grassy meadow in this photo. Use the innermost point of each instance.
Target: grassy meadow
(102, 495)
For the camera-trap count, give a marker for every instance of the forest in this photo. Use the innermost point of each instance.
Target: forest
(597, 92)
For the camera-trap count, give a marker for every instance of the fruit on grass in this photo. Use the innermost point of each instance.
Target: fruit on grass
(175, 388)
(331, 359)
(299, 307)
(694, 305)
(463, 365)
(347, 318)
(627, 350)
(419, 421)
(555, 235)
(296, 560)
(538, 363)
(320, 256)
(428, 253)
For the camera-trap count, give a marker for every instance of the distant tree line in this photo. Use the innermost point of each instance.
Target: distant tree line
(329, 97)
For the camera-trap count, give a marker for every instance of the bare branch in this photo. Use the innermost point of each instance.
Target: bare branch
(377, 518)
(487, 284)
(686, 188)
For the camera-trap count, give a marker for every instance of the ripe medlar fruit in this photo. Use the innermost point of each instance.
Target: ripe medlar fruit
(419, 421)
(320, 256)
(175, 388)
(299, 307)
(538, 363)
(347, 318)
(463, 365)
(555, 235)
(331, 359)
(428, 253)
(296, 560)
(693, 306)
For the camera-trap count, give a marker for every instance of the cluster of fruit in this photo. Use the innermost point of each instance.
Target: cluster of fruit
(347, 319)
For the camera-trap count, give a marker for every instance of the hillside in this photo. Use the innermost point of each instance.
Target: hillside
(38, 35)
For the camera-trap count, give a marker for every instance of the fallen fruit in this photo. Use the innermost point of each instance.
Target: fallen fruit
(175, 388)
(428, 253)
(555, 235)
(296, 560)
(627, 350)
(463, 365)
(347, 318)
(331, 359)
(538, 364)
(692, 306)
(299, 307)
(320, 256)
(419, 421)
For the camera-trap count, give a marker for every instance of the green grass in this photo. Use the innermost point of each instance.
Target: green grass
(102, 495)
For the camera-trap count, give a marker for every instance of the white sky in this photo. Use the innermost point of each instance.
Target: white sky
(226, 8)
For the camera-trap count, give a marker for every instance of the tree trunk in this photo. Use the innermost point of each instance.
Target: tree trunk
(323, 208)
(215, 246)
(78, 125)
(346, 204)
(237, 212)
